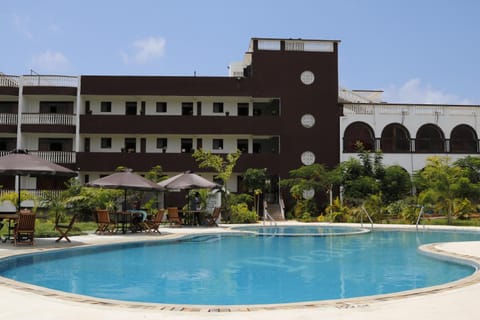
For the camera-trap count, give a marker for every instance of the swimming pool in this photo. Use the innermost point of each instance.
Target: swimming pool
(244, 269)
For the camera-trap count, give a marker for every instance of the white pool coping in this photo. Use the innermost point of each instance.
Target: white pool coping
(456, 300)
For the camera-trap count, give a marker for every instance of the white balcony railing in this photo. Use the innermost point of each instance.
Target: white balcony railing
(49, 118)
(56, 156)
(8, 119)
(52, 156)
(50, 81)
(9, 81)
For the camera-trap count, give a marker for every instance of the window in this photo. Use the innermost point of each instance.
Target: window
(162, 143)
(106, 106)
(56, 146)
(430, 139)
(242, 145)
(218, 107)
(131, 108)
(161, 107)
(217, 144)
(187, 145)
(395, 138)
(87, 107)
(105, 143)
(358, 132)
(187, 108)
(199, 143)
(53, 109)
(463, 139)
(130, 145)
(242, 109)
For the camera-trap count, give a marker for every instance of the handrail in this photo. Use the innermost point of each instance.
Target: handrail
(420, 214)
(267, 215)
(369, 218)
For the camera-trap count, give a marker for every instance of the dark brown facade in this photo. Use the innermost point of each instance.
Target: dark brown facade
(271, 74)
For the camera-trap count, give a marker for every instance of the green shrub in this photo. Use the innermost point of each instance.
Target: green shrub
(241, 214)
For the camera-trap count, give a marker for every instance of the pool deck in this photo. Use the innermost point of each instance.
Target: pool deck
(456, 300)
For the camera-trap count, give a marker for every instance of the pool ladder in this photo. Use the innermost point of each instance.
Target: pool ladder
(420, 215)
(368, 216)
(267, 216)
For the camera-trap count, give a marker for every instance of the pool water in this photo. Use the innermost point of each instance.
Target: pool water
(304, 231)
(244, 269)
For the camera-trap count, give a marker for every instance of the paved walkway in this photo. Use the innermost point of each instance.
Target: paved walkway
(452, 301)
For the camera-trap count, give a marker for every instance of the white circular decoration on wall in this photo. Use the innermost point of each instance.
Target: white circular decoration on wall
(308, 158)
(307, 77)
(308, 194)
(308, 120)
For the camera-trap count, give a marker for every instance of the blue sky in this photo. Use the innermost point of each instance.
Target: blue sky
(417, 51)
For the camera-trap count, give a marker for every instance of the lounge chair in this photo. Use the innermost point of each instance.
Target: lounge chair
(212, 218)
(173, 217)
(24, 228)
(64, 229)
(154, 224)
(103, 222)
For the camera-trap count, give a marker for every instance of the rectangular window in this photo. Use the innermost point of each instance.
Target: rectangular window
(162, 143)
(130, 145)
(199, 108)
(187, 145)
(131, 108)
(106, 106)
(87, 107)
(161, 107)
(218, 107)
(217, 144)
(106, 143)
(242, 109)
(242, 145)
(199, 143)
(187, 108)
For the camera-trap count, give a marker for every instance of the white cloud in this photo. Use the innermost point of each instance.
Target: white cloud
(414, 91)
(22, 24)
(50, 62)
(145, 50)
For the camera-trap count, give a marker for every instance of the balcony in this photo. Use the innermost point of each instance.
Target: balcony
(121, 124)
(176, 162)
(49, 119)
(50, 81)
(60, 157)
(8, 122)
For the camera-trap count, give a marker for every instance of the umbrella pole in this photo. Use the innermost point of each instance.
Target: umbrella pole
(19, 188)
(125, 201)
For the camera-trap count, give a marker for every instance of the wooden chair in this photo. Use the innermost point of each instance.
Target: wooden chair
(154, 224)
(64, 229)
(173, 217)
(212, 218)
(24, 230)
(103, 222)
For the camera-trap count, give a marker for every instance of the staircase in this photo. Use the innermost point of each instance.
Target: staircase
(275, 211)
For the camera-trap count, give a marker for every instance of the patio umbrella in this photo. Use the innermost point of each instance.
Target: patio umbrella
(21, 163)
(187, 180)
(125, 180)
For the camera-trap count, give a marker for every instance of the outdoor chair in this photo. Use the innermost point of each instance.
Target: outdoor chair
(173, 217)
(154, 224)
(103, 222)
(24, 229)
(212, 218)
(64, 229)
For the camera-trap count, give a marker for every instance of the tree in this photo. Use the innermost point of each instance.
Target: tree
(442, 184)
(313, 177)
(254, 180)
(395, 184)
(223, 166)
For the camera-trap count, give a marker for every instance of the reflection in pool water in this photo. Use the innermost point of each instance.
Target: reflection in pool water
(244, 268)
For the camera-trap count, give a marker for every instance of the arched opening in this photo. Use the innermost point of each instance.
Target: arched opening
(395, 138)
(358, 132)
(463, 139)
(430, 138)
